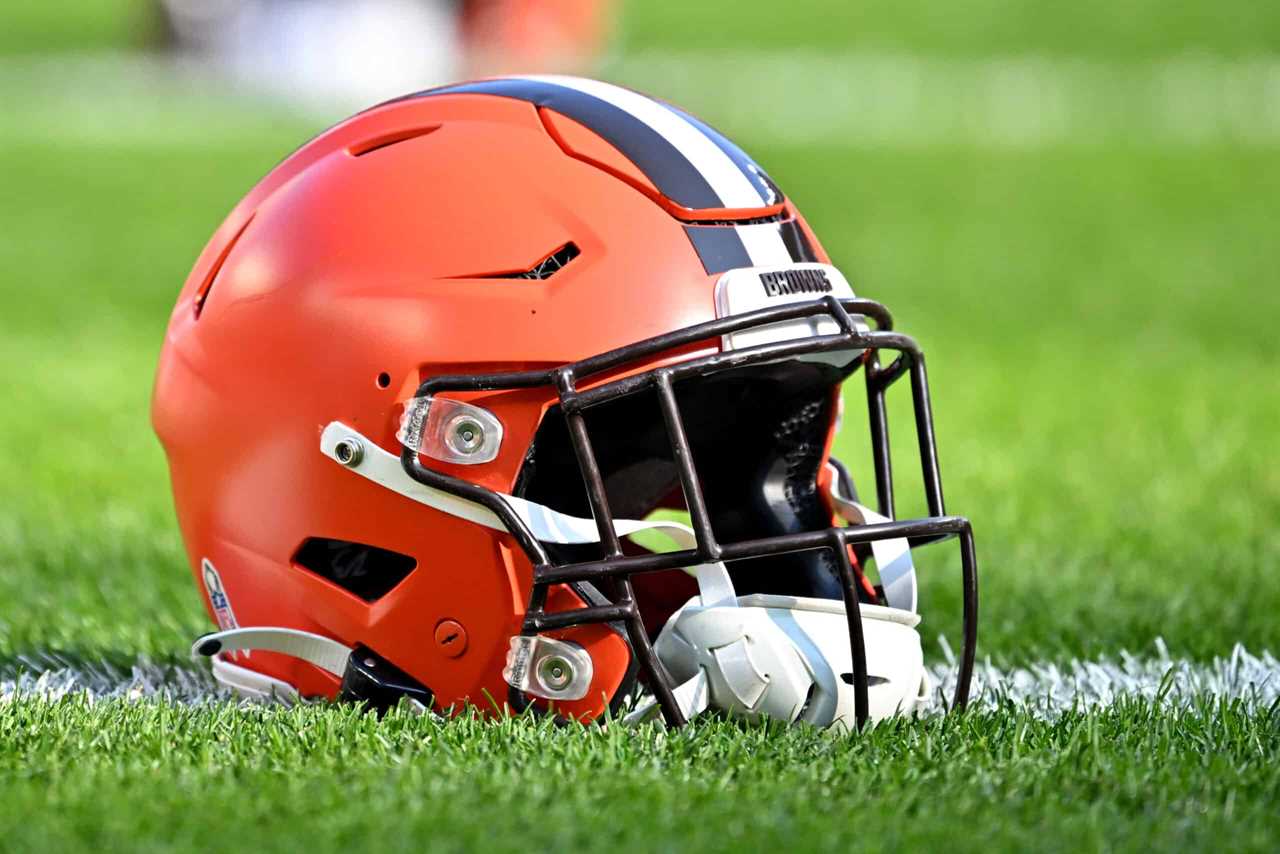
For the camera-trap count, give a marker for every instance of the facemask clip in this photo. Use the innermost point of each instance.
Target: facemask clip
(450, 431)
(548, 668)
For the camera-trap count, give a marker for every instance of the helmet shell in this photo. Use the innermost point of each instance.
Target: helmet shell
(381, 253)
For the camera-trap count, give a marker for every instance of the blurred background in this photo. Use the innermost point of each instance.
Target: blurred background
(1074, 207)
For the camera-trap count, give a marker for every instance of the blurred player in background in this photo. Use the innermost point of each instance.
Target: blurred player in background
(357, 52)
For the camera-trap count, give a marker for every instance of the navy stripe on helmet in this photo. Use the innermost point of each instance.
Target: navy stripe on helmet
(718, 247)
(659, 160)
(723, 247)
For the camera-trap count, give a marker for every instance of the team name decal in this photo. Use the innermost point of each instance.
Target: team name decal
(782, 282)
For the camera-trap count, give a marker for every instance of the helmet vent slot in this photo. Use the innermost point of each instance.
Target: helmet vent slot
(202, 293)
(754, 220)
(544, 269)
(365, 571)
(368, 146)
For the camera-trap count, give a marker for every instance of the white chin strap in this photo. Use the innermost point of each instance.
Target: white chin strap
(893, 557)
(546, 525)
(780, 656)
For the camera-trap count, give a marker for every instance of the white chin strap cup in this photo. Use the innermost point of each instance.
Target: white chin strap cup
(788, 658)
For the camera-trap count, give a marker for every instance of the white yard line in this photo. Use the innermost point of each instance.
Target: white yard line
(858, 99)
(1046, 689)
(182, 684)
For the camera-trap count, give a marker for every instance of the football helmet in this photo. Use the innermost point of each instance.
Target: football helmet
(522, 393)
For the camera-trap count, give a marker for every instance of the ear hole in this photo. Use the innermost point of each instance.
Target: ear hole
(367, 571)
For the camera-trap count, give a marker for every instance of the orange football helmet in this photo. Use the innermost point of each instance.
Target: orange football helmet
(428, 390)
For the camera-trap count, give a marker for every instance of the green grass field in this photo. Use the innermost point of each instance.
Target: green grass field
(1100, 318)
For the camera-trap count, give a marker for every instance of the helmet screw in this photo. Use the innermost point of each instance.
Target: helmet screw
(349, 452)
(451, 638)
(556, 673)
(468, 435)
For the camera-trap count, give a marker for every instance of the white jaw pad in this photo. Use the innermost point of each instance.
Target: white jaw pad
(787, 657)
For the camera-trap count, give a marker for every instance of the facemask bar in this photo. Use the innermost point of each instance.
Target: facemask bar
(937, 526)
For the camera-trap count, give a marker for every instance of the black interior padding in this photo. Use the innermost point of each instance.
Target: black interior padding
(367, 571)
(756, 435)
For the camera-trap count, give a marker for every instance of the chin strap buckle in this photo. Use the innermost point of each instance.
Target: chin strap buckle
(380, 685)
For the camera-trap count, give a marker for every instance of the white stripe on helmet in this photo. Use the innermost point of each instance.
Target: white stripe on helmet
(764, 245)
